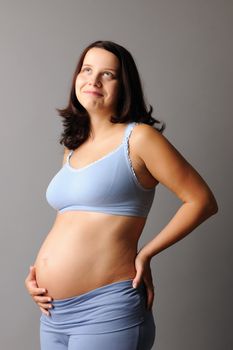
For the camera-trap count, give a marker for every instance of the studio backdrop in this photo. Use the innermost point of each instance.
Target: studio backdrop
(183, 50)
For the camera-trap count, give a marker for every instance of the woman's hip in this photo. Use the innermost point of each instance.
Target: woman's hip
(109, 308)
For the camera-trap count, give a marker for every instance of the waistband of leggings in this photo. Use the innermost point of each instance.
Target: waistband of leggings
(115, 286)
(108, 308)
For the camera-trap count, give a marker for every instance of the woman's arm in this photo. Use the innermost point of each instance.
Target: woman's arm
(170, 168)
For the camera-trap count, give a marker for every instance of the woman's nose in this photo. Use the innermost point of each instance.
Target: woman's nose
(94, 80)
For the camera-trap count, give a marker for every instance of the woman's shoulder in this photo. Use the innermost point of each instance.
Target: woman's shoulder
(147, 140)
(144, 131)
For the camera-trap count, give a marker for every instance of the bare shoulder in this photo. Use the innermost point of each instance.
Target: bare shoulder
(145, 138)
(144, 130)
(149, 139)
(145, 135)
(156, 150)
(168, 165)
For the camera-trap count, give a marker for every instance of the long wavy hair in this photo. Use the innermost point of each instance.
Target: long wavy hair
(130, 105)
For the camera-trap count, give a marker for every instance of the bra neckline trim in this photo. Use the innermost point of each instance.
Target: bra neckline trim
(99, 159)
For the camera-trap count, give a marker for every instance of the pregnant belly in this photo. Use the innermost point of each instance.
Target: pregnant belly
(72, 263)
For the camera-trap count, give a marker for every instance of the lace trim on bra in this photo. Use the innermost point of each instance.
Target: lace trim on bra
(124, 143)
(100, 159)
(92, 163)
(130, 162)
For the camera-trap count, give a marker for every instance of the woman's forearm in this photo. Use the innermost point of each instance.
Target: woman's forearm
(187, 218)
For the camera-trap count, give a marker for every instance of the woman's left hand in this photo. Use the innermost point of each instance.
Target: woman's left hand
(143, 273)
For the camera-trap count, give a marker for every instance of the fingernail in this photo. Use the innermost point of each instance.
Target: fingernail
(134, 285)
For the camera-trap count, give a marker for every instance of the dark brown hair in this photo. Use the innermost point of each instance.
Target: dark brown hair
(130, 107)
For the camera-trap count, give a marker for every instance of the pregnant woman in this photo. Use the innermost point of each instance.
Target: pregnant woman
(95, 290)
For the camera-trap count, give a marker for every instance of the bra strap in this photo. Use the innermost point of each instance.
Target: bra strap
(129, 130)
(68, 156)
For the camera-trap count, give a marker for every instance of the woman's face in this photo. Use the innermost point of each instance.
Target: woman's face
(97, 83)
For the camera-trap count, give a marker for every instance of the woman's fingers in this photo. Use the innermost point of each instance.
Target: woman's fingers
(43, 303)
(44, 311)
(37, 294)
(149, 291)
(45, 306)
(150, 297)
(36, 291)
(31, 275)
(42, 299)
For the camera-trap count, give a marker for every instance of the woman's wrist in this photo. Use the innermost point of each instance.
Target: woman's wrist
(143, 254)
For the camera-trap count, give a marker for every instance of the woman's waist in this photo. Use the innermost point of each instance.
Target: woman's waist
(97, 223)
(86, 248)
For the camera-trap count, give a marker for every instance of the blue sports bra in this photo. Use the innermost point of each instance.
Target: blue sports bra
(108, 185)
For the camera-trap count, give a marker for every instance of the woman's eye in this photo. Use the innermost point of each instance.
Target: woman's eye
(109, 74)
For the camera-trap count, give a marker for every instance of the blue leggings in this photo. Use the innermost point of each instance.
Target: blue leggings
(111, 317)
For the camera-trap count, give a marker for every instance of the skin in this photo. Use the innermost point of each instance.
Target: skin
(154, 160)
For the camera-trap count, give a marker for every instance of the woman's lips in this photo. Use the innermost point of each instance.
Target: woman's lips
(93, 93)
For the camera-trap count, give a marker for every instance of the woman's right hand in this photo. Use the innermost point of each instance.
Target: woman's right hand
(37, 294)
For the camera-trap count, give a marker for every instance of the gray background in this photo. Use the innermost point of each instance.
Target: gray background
(183, 50)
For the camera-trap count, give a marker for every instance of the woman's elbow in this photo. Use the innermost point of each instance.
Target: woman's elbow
(210, 204)
(212, 207)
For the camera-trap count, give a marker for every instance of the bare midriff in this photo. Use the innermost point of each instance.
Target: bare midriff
(87, 250)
